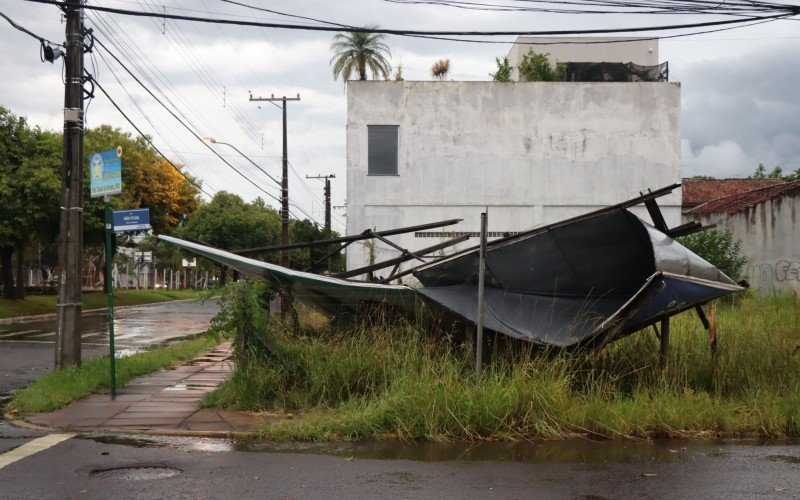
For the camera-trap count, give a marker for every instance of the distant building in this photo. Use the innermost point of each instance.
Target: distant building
(697, 191)
(532, 152)
(585, 49)
(767, 222)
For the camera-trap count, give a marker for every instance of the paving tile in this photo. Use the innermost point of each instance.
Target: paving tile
(155, 414)
(204, 415)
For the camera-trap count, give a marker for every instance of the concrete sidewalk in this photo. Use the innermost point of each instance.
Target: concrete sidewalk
(167, 400)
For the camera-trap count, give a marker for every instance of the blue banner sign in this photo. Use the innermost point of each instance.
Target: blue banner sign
(131, 220)
(105, 173)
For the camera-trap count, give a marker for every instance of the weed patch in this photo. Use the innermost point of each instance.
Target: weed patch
(401, 381)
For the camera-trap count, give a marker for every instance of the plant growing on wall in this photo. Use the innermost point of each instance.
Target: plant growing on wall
(504, 69)
(359, 51)
(536, 67)
(719, 248)
(441, 69)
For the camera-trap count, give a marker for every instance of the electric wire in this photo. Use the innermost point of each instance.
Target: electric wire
(189, 129)
(147, 118)
(788, 10)
(146, 138)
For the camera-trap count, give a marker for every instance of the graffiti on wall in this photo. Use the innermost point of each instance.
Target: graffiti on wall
(783, 274)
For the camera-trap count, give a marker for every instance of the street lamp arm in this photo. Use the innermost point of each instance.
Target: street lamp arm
(214, 141)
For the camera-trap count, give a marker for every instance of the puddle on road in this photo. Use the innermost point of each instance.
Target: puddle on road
(567, 451)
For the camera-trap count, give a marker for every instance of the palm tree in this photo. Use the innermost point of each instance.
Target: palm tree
(358, 51)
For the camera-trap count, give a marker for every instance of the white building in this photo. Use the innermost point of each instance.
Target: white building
(767, 223)
(532, 152)
(585, 49)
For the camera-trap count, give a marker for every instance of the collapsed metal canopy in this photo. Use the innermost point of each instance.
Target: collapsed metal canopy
(586, 280)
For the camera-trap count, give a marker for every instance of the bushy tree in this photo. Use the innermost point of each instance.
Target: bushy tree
(29, 193)
(535, 67)
(504, 69)
(719, 248)
(776, 173)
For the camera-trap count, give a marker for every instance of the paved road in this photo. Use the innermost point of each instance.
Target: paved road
(26, 349)
(91, 467)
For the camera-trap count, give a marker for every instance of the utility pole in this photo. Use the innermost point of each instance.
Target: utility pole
(327, 206)
(284, 187)
(285, 179)
(70, 242)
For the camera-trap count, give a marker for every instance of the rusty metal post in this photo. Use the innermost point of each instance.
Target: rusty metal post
(481, 284)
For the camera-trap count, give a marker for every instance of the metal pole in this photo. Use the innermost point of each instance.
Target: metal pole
(481, 283)
(285, 194)
(664, 352)
(110, 288)
(70, 251)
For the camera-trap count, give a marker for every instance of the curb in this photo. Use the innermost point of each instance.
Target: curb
(46, 316)
(22, 423)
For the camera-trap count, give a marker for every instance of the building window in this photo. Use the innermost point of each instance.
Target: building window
(382, 149)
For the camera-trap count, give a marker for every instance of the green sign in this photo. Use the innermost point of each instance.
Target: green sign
(105, 172)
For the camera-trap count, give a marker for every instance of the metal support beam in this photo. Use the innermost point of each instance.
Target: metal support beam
(664, 352)
(400, 259)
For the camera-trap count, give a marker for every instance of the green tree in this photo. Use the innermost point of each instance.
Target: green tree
(504, 69)
(536, 67)
(719, 248)
(359, 51)
(776, 173)
(312, 258)
(228, 222)
(29, 189)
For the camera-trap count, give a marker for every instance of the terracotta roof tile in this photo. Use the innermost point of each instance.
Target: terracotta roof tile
(741, 201)
(699, 191)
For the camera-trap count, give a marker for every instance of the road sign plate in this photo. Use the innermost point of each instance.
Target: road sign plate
(105, 173)
(131, 220)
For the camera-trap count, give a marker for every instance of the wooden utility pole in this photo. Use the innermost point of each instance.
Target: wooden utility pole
(285, 179)
(284, 189)
(70, 243)
(327, 207)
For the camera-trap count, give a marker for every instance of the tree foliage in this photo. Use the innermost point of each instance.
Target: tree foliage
(29, 190)
(535, 67)
(504, 69)
(719, 248)
(776, 173)
(358, 52)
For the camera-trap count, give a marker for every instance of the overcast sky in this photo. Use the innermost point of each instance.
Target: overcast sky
(740, 99)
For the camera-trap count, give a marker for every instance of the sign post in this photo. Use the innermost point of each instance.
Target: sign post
(105, 170)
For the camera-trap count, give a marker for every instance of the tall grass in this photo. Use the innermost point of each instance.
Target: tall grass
(398, 381)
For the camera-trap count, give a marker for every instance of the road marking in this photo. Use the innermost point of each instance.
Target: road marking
(19, 333)
(31, 447)
(42, 335)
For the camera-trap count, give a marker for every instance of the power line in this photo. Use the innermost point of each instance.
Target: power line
(144, 136)
(197, 136)
(785, 11)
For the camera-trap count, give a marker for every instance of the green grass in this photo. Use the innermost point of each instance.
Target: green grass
(43, 304)
(402, 382)
(59, 388)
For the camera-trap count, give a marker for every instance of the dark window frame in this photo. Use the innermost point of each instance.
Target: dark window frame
(375, 159)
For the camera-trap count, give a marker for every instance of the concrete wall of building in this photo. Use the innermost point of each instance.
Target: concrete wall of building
(613, 49)
(533, 153)
(770, 236)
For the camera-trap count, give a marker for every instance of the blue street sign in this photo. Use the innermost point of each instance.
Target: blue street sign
(105, 173)
(131, 220)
